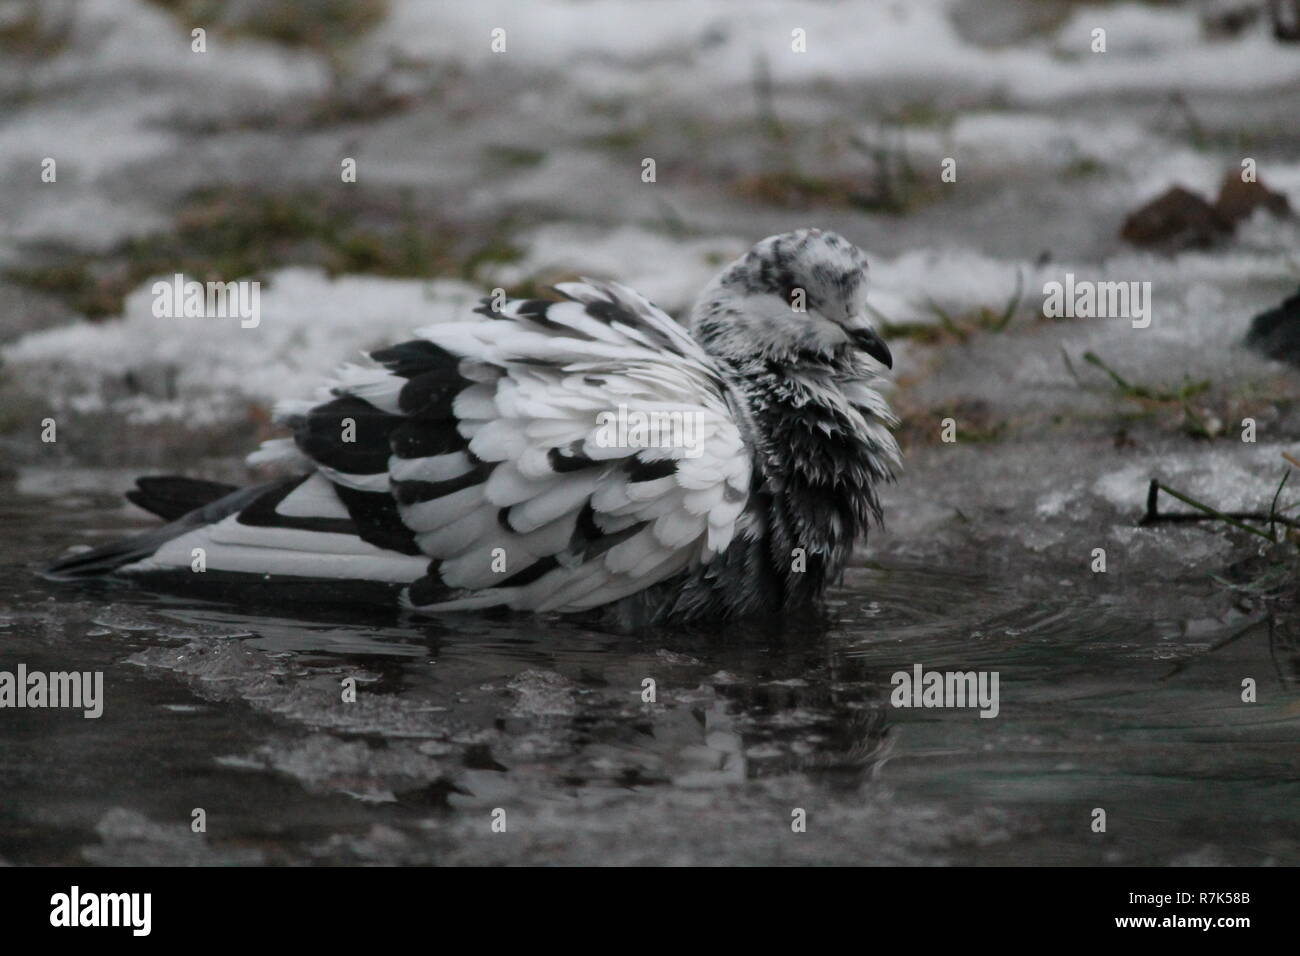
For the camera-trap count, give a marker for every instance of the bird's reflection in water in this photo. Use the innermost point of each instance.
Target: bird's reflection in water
(558, 702)
(748, 706)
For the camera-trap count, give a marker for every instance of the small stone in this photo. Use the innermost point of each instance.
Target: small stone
(1222, 19)
(1238, 200)
(1177, 219)
(1276, 333)
(1285, 15)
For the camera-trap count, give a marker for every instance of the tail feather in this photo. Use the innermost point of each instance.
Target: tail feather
(110, 557)
(173, 496)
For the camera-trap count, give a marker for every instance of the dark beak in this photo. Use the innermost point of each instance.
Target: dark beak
(868, 341)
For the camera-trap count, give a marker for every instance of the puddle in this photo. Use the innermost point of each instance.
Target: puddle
(1102, 704)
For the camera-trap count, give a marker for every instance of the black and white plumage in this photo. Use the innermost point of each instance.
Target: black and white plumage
(477, 474)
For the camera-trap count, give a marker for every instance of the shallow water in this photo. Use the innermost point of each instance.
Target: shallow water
(1126, 700)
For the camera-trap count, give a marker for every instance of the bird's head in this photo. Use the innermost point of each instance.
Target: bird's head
(793, 298)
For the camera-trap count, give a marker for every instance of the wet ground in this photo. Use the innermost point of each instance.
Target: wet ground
(1118, 702)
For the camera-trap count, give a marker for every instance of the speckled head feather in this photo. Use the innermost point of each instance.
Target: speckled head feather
(796, 297)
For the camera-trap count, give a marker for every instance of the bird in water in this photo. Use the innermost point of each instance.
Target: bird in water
(587, 454)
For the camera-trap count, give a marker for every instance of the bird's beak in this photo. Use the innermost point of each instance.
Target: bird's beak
(866, 340)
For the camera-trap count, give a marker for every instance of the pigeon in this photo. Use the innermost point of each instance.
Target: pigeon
(585, 454)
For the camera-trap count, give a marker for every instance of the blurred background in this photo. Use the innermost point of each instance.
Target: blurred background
(518, 160)
(504, 144)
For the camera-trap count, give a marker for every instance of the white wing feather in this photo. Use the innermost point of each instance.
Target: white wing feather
(557, 380)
